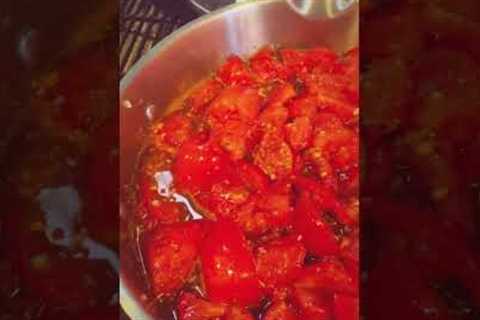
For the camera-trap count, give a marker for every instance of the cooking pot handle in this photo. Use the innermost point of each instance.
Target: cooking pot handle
(316, 9)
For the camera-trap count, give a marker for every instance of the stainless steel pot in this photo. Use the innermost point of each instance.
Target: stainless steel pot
(188, 55)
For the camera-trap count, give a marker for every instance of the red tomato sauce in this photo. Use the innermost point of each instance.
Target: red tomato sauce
(266, 151)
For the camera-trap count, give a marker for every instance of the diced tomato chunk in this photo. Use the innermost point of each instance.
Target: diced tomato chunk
(303, 105)
(173, 131)
(329, 275)
(228, 266)
(233, 137)
(346, 307)
(299, 132)
(235, 72)
(300, 62)
(253, 177)
(192, 307)
(198, 166)
(316, 234)
(158, 209)
(267, 66)
(280, 261)
(238, 103)
(171, 253)
(313, 305)
(275, 113)
(274, 156)
(204, 94)
(280, 310)
(237, 313)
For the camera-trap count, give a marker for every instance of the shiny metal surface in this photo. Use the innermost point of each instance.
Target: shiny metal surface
(322, 9)
(191, 53)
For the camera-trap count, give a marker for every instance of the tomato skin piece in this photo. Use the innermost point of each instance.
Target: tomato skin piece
(280, 261)
(316, 234)
(346, 307)
(280, 310)
(228, 266)
(171, 252)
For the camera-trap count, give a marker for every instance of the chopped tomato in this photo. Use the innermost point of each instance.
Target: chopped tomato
(159, 209)
(280, 261)
(280, 310)
(266, 65)
(235, 72)
(301, 62)
(173, 132)
(228, 266)
(238, 103)
(171, 253)
(191, 307)
(328, 275)
(316, 234)
(275, 113)
(198, 166)
(346, 307)
(236, 313)
(313, 305)
(203, 95)
(274, 156)
(299, 132)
